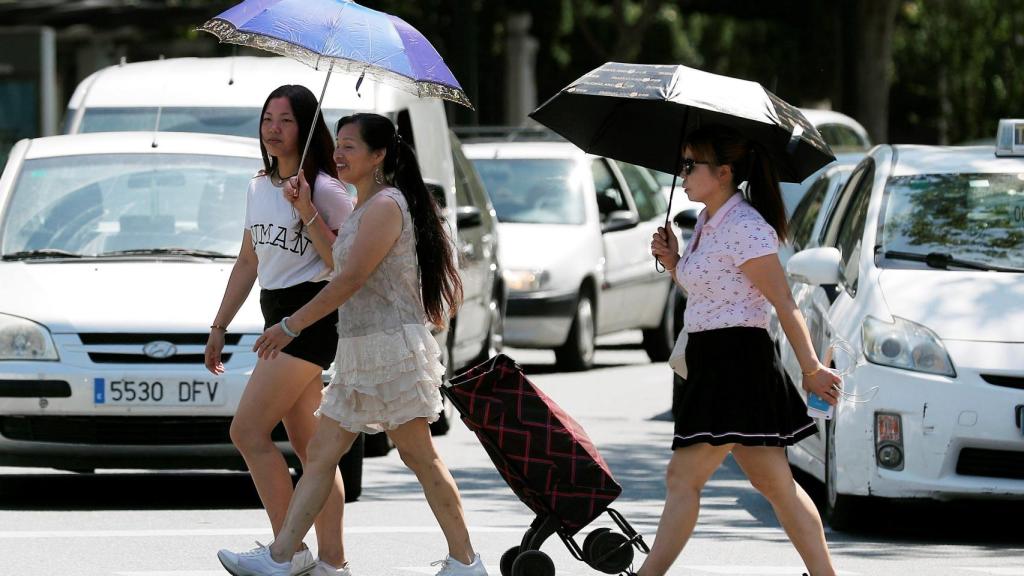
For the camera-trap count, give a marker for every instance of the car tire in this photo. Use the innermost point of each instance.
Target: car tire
(495, 341)
(351, 467)
(841, 510)
(442, 425)
(376, 445)
(578, 351)
(658, 341)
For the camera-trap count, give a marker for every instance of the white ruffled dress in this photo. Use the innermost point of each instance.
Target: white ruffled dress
(387, 370)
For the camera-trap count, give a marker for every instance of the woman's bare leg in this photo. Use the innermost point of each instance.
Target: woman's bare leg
(416, 447)
(688, 471)
(328, 445)
(301, 425)
(768, 470)
(272, 390)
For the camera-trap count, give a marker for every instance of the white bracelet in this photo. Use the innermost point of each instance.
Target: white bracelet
(313, 219)
(284, 326)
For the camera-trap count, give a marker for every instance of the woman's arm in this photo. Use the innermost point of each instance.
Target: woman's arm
(240, 282)
(319, 232)
(765, 272)
(379, 228)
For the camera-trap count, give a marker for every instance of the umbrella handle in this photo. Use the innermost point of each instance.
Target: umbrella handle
(316, 116)
(657, 265)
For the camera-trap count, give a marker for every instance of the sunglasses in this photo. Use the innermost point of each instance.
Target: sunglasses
(689, 164)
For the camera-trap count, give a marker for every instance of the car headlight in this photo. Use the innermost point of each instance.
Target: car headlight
(524, 280)
(22, 339)
(905, 344)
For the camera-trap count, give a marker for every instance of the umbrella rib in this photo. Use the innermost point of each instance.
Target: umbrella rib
(604, 125)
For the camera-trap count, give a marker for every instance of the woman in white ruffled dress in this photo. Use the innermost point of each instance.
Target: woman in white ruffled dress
(394, 272)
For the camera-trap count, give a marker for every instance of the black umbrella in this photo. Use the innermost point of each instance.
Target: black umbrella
(641, 114)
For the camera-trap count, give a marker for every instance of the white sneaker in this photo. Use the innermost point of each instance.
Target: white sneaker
(302, 562)
(452, 567)
(257, 562)
(324, 569)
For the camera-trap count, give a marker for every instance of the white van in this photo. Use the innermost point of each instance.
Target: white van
(225, 96)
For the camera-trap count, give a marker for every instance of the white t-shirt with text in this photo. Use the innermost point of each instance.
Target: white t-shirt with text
(286, 256)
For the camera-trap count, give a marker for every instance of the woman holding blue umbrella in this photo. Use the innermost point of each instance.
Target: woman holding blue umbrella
(286, 247)
(394, 272)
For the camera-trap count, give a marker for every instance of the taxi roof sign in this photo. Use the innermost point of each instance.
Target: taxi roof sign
(1010, 137)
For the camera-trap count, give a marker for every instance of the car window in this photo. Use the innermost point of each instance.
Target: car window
(469, 189)
(801, 225)
(650, 202)
(842, 138)
(100, 203)
(975, 217)
(534, 190)
(850, 233)
(610, 197)
(207, 120)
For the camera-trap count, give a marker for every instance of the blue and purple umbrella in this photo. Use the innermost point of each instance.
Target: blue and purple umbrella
(342, 35)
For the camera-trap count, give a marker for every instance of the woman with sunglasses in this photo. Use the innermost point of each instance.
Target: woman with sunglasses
(732, 274)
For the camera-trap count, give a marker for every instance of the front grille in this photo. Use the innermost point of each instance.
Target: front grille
(123, 430)
(113, 358)
(92, 338)
(1005, 381)
(991, 463)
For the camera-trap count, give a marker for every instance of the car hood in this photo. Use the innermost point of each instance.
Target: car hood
(541, 246)
(122, 296)
(956, 305)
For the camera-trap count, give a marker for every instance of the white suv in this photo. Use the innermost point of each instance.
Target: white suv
(575, 231)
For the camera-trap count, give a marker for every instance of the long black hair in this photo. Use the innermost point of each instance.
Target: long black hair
(725, 146)
(320, 157)
(440, 284)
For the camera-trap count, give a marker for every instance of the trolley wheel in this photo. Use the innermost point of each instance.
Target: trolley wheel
(611, 552)
(533, 563)
(588, 543)
(507, 559)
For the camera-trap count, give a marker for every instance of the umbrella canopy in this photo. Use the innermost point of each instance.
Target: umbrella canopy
(641, 113)
(342, 35)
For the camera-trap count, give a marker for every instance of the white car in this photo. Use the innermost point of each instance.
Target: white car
(575, 234)
(115, 252)
(921, 272)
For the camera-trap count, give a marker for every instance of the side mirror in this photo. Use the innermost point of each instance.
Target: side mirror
(619, 220)
(686, 219)
(815, 266)
(468, 216)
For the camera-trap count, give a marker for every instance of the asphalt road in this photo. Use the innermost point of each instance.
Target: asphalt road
(140, 523)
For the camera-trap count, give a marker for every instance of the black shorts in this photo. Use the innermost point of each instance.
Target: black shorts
(317, 343)
(737, 392)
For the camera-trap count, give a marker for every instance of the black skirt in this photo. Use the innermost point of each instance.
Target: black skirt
(737, 393)
(317, 343)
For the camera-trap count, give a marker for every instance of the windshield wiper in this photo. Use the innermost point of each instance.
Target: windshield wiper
(40, 254)
(166, 252)
(943, 260)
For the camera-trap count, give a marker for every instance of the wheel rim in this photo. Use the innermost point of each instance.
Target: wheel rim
(585, 330)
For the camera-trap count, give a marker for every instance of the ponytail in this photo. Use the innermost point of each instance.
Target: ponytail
(750, 163)
(440, 284)
(763, 190)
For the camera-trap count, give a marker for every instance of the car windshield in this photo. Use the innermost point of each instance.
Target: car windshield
(976, 218)
(208, 120)
(534, 191)
(93, 205)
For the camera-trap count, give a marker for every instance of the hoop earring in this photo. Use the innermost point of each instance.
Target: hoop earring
(378, 175)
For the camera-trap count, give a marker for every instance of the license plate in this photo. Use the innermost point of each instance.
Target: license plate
(129, 391)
